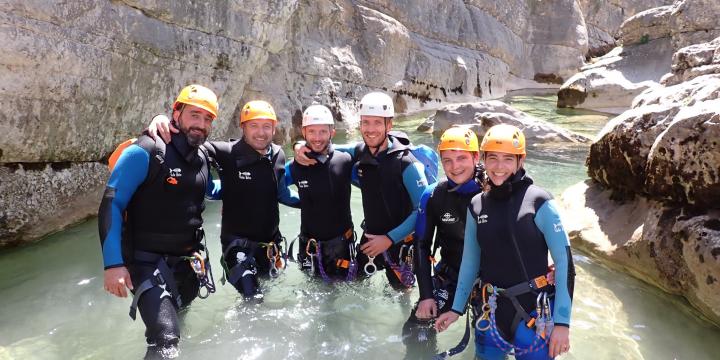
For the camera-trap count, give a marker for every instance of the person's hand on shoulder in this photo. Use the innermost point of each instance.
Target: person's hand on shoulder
(160, 125)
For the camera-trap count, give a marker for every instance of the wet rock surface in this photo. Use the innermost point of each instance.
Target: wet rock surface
(652, 207)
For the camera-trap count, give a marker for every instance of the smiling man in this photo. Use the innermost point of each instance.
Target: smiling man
(391, 181)
(252, 182)
(150, 220)
(441, 218)
(326, 230)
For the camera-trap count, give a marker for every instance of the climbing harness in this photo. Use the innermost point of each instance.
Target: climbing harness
(542, 321)
(403, 272)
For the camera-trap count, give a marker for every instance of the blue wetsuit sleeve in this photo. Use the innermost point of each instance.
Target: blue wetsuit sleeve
(469, 267)
(415, 184)
(288, 174)
(424, 233)
(548, 221)
(346, 148)
(213, 191)
(287, 196)
(129, 173)
(421, 220)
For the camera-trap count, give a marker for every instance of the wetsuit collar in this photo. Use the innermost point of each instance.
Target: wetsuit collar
(511, 184)
(469, 187)
(322, 158)
(180, 143)
(247, 150)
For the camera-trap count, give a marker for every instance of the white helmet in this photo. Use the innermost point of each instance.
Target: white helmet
(377, 104)
(317, 115)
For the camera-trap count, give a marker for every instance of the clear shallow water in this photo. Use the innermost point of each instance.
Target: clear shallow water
(53, 305)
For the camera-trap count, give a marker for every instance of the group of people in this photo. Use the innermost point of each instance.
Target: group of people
(153, 243)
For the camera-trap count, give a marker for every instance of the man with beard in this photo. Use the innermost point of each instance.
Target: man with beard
(391, 181)
(252, 182)
(150, 221)
(510, 230)
(326, 240)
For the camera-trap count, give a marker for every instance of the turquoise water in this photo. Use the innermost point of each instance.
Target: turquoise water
(53, 305)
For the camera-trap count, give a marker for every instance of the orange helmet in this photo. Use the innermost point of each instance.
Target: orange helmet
(200, 96)
(458, 138)
(257, 109)
(505, 139)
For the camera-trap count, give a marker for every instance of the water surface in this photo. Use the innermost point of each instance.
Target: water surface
(53, 305)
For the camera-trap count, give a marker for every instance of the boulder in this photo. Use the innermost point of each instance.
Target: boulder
(604, 18)
(483, 115)
(653, 205)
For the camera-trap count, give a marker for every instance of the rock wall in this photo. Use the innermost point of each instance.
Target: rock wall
(85, 75)
(648, 39)
(604, 18)
(653, 206)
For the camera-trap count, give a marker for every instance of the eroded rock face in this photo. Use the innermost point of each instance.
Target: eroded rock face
(649, 39)
(86, 75)
(604, 18)
(667, 146)
(653, 206)
(483, 115)
(674, 248)
(40, 199)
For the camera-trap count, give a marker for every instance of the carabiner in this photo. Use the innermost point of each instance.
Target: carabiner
(370, 268)
(400, 253)
(548, 310)
(274, 272)
(307, 247)
(197, 263)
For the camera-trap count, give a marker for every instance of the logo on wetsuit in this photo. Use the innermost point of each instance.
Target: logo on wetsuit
(482, 219)
(244, 175)
(176, 173)
(303, 184)
(449, 218)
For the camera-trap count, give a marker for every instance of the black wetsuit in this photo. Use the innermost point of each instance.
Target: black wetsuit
(391, 186)
(250, 187)
(443, 208)
(324, 191)
(162, 206)
(515, 225)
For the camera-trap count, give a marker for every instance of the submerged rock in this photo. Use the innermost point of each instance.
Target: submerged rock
(482, 115)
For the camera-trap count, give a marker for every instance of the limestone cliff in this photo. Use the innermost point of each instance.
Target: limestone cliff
(652, 207)
(78, 77)
(648, 40)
